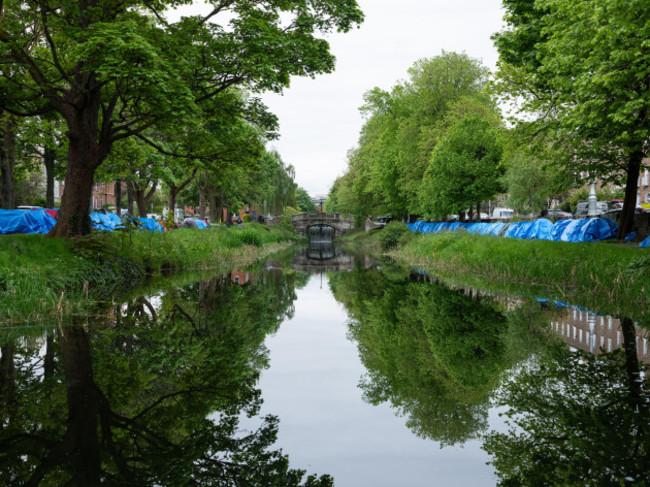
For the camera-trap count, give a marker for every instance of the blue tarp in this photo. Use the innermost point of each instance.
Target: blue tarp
(25, 221)
(151, 224)
(200, 224)
(586, 230)
(645, 243)
(107, 222)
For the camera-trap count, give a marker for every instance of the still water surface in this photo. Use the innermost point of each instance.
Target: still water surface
(358, 371)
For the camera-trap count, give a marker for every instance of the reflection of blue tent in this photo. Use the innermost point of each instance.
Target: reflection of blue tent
(23, 221)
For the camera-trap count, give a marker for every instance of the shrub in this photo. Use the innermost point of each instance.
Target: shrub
(395, 234)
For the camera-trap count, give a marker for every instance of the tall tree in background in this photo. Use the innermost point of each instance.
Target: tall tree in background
(304, 202)
(402, 129)
(465, 169)
(112, 70)
(583, 70)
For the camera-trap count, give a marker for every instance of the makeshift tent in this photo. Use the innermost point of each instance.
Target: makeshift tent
(645, 243)
(25, 221)
(200, 224)
(151, 224)
(106, 222)
(585, 230)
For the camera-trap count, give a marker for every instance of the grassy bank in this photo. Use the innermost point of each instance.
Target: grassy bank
(604, 276)
(40, 276)
(608, 277)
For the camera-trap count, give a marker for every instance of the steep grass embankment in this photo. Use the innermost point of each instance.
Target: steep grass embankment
(603, 276)
(40, 276)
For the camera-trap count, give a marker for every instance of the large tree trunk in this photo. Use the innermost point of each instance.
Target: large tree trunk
(7, 160)
(172, 198)
(118, 197)
(212, 201)
(202, 202)
(49, 158)
(129, 199)
(87, 149)
(139, 197)
(143, 198)
(74, 215)
(629, 203)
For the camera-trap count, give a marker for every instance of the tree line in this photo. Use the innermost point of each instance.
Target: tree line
(577, 75)
(121, 89)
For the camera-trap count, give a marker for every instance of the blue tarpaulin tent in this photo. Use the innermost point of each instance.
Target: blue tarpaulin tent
(151, 224)
(645, 243)
(586, 230)
(107, 222)
(200, 224)
(25, 221)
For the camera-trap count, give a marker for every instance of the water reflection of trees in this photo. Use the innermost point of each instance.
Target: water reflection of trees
(576, 419)
(434, 353)
(151, 396)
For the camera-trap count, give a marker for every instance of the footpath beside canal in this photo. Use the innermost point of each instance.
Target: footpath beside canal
(40, 276)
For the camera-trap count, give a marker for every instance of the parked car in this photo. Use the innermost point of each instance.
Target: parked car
(502, 213)
(385, 219)
(582, 208)
(557, 214)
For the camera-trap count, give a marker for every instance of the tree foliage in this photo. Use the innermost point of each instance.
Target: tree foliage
(402, 129)
(581, 71)
(114, 70)
(465, 169)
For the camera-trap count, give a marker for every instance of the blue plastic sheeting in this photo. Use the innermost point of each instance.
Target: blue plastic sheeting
(25, 221)
(106, 222)
(540, 230)
(200, 224)
(645, 243)
(587, 230)
(151, 224)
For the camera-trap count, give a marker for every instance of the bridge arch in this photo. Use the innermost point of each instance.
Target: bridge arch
(302, 222)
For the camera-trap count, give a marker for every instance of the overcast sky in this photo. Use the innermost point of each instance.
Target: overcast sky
(319, 118)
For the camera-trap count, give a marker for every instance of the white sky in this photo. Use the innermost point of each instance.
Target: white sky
(319, 118)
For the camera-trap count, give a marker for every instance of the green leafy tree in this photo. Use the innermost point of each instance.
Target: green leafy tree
(402, 128)
(304, 202)
(465, 169)
(580, 70)
(113, 71)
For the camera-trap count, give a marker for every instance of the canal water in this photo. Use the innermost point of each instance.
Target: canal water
(325, 363)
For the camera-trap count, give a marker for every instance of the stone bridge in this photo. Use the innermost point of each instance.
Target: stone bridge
(302, 222)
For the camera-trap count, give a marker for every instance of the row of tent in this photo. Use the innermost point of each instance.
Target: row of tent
(42, 221)
(584, 230)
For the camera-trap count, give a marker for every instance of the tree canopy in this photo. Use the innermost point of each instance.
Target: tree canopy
(113, 71)
(403, 127)
(581, 72)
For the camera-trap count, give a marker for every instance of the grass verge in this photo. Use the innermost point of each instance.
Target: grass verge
(609, 278)
(40, 276)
